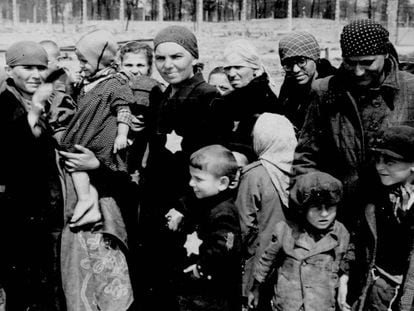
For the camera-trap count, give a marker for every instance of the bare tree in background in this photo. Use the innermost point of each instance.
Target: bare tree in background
(392, 10)
(84, 11)
(15, 13)
(48, 12)
(121, 10)
(160, 16)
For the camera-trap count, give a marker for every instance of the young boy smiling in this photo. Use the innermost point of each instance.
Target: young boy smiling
(385, 242)
(212, 275)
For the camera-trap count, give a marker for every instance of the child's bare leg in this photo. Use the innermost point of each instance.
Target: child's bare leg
(87, 209)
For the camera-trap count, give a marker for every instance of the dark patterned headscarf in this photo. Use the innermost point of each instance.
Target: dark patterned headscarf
(299, 43)
(364, 37)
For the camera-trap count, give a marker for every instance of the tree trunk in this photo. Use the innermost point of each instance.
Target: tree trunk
(199, 14)
(337, 11)
(312, 8)
(48, 12)
(121, 10)
(160, 16)
(392, 10)
(243, 13)
(84, 12)
(15, 13)
(369, 9)
(289, 15)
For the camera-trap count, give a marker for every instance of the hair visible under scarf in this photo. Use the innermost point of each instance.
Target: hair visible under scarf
(363, 38)
(274, 142)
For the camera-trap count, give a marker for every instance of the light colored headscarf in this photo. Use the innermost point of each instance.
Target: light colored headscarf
(243, 53)
(274, 142)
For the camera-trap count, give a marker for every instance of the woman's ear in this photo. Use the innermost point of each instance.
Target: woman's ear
(8, 70)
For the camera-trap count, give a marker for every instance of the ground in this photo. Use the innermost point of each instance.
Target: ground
(212, 37)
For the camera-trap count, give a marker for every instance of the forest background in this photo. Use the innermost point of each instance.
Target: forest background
(216, 22)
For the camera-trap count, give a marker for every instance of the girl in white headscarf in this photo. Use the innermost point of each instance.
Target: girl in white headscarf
(263, 194)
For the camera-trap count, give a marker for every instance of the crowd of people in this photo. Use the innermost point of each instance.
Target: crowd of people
(122, 192)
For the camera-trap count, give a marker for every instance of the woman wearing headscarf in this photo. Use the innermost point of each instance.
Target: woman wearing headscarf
(262, 198)
(30, 194)
(299, 54)
(94, 239)
(182, 123)
(252, 93)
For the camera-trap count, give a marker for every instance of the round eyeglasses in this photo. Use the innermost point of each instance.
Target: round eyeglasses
(289, 64)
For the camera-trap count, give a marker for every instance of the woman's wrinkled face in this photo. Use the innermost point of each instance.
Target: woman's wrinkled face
(239, 76)
(174, 63)
(27, 77)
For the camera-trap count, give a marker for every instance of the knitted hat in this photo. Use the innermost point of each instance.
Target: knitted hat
(396, 142)
(299, 43)
(99, 47)
(180, 35)
(316, 188)
(241, 53)
(26, 53)
(364, 37)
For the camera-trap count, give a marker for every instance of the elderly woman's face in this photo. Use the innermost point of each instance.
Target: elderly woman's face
(173, 62)
(239, 76)
(27, 77)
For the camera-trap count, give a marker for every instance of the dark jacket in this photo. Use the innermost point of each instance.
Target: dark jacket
(295, 99)
(244, 105)
(32, 212)
(333, 137)
(367, 249)
(216, 222)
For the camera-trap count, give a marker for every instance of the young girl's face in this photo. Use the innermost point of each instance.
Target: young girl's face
(136, 63)
(87, 68)
(321, 217)
(391, 170)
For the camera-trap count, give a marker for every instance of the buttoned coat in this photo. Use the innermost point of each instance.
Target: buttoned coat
(307, 270)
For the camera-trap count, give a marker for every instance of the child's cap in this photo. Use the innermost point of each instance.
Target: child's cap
(316, 188)
(396, 142)
(98, 47)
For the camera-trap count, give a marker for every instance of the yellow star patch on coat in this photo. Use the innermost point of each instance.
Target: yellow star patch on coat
(192, 244)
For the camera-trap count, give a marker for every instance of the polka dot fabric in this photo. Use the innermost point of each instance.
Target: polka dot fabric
(363, 38)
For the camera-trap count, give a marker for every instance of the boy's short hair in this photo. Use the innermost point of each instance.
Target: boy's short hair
(396, 142)
(314, 189)
(215, 159)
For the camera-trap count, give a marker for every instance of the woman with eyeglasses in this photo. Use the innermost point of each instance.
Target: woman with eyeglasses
(252, 94)
(299, 56)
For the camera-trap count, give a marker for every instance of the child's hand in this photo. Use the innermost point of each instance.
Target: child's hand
(253, 298)
(121, 142)
(86, 210)
(40, 97)
(174, 219)
(193, 270)
(342, 293)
